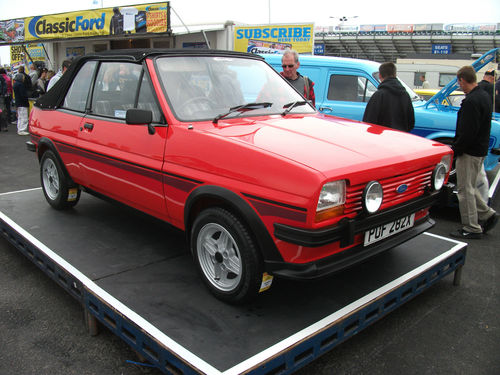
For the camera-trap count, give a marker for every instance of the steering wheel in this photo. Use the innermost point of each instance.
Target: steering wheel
(198, 99)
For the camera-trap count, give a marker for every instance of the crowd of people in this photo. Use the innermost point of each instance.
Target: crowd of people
(17, 88)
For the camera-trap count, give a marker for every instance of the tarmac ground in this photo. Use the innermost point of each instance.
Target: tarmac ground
(446, 330)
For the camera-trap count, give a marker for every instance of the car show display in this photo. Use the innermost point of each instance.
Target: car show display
(218, 145)
(134, 277)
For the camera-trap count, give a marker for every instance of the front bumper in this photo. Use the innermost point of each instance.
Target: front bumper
(347, 258)
(344, 232)
(347, 228)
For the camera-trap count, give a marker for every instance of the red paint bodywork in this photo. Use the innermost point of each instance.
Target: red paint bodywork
(282, 160)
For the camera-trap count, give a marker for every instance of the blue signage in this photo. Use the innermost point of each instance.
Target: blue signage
(441, 49)
(319, 49)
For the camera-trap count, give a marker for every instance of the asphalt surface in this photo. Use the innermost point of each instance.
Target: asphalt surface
(446, 330)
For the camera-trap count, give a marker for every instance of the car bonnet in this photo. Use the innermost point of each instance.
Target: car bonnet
(329, 144)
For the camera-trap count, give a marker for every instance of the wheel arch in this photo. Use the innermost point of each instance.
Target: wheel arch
(215, 196)
(46, 144)
(436, 136)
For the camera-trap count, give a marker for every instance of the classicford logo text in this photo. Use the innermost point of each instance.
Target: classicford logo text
(38, 27)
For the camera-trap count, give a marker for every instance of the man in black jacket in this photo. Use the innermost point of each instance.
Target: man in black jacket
(487, 83)
(391, 105)
(471, 146)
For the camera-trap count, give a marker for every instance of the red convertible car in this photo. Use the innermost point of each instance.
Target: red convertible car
(220, 145)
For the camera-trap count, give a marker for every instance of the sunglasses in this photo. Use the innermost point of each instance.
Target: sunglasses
(288, 66)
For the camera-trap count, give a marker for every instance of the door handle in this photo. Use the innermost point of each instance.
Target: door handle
(325, 109)
(88, 126)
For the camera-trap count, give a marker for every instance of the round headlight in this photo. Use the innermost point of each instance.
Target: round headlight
(438, 176)
(372, 196)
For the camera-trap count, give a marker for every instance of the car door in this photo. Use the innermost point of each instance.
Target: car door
(68, 120)
(123, 161)
(347, 94)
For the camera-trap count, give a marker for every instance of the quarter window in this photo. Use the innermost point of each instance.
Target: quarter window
(76, 98)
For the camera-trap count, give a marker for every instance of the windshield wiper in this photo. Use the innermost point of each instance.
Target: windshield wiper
(292, 105)
(242, 108)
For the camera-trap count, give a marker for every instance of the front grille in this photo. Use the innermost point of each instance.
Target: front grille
(416, 181)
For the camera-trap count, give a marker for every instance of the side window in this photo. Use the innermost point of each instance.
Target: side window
(416, 79)
(115, 88)
(344, 88)
(147, 100)
(76, 98)
(445, 78)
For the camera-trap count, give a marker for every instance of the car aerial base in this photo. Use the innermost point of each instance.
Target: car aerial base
(134, 275)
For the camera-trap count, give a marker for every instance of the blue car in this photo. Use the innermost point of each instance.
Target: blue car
(344, 86)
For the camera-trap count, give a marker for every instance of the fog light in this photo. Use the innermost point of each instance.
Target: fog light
(438, 176)
(372, 197)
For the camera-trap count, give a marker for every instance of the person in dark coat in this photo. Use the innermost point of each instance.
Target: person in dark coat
(487, 83)
(22, 103)
(391, 104)
(470, 145)
(27, 81)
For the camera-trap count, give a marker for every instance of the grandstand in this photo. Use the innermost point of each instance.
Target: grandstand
(388, 42)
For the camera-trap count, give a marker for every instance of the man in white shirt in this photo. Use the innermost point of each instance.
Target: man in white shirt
(58, 75)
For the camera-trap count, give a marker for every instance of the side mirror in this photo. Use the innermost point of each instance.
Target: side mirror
(135, 116)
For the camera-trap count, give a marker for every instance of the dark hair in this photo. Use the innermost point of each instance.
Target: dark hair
(490, 72)
(387, 69)
(2, 71)
(467, 73)
(66, 64)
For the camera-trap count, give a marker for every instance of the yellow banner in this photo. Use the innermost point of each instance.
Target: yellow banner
(145, 18)
(274, 38)
(17, 54)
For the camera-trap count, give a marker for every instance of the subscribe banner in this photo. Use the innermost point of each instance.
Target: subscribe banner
(274, 38)
(145, 18)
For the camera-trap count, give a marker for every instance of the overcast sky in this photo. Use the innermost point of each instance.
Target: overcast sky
(320, 12)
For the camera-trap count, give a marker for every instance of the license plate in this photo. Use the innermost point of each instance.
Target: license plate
(389, 229)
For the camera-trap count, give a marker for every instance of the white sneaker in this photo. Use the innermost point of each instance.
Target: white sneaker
(23, 133)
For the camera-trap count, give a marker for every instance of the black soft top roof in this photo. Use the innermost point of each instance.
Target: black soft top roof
(55, 96)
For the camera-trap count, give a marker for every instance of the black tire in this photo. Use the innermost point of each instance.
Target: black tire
(232, 267)
(59, 190)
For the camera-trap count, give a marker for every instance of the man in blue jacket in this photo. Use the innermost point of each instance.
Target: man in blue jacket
(470, 145)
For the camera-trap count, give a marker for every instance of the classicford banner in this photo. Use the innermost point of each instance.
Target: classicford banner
(274, 38)
(145, 18)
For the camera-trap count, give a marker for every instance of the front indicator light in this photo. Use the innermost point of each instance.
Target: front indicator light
(329, 213)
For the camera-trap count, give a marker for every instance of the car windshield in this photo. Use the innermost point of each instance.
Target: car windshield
(201, 88)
